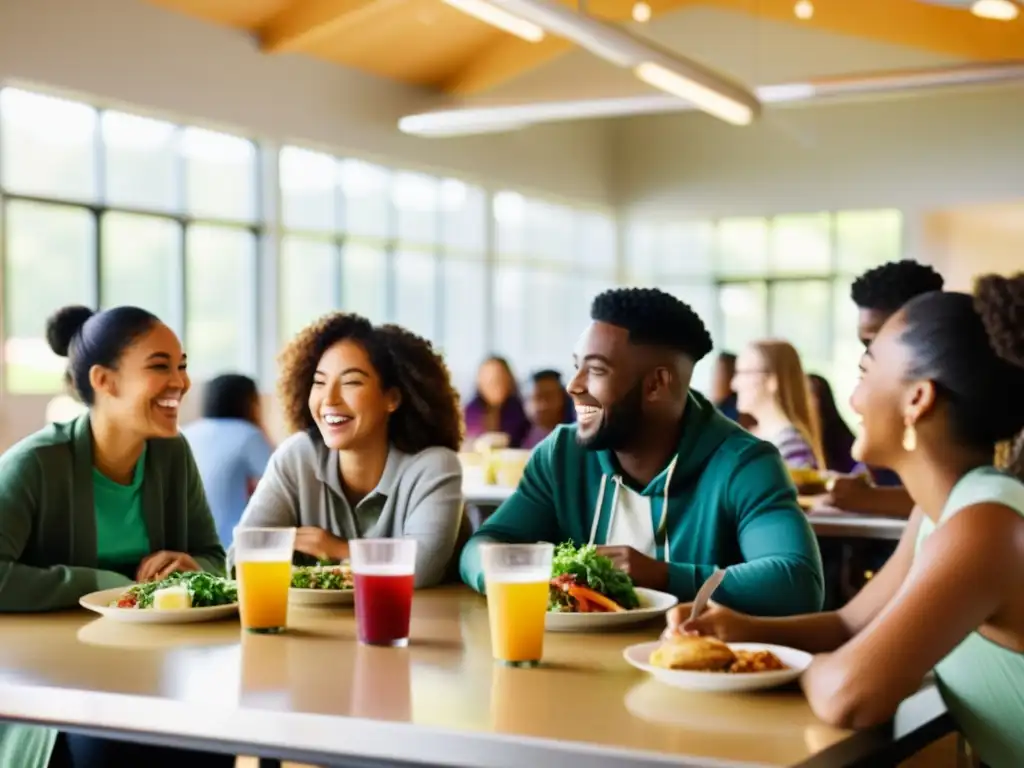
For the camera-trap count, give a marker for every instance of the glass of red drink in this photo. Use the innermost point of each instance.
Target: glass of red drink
(384, 571)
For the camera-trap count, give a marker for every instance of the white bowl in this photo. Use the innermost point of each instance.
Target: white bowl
(100, 603)
(652, 605)
(721, 682)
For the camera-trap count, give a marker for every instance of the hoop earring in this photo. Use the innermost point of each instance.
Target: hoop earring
(909, 438)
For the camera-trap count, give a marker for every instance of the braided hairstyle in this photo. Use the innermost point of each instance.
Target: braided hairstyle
(890, 286)
(972, 349)
(428, 414)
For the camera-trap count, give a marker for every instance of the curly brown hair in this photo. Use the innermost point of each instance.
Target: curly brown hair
(1000, 302)
(429, 413)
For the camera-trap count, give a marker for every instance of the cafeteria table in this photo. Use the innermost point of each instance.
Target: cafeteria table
(314, 695)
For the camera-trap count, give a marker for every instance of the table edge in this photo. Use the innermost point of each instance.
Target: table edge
(921, 719)
(325, 737)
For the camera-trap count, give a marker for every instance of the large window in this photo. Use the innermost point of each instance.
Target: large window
(393, 246)
(106, 208)
(551, 262)
(783, 277)
(238, 246)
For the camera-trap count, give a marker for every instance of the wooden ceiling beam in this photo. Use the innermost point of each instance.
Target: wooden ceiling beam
(911, 23)
(512, 57)
(309, 21)
(503, 61)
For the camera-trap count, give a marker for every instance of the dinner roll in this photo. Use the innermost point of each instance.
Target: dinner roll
(700, 654)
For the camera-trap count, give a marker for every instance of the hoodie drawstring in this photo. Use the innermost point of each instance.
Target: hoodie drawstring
(662, 529)
(597, 509)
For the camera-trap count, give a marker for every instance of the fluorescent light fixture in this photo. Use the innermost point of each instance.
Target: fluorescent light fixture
(510, 117)
(706, 89)
(709, 100)
(1000, 10)
(514, 115)
(496, 17)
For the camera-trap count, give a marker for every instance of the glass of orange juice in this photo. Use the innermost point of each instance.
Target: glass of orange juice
(516, 578)
(263, 558)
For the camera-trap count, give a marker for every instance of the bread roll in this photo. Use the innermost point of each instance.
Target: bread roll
(698, 654)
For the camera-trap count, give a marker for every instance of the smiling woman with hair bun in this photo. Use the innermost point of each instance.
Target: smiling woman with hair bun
(942, 386)
(102, 501)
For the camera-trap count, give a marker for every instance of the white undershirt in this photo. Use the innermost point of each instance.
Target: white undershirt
(634, 527)
(632, 523)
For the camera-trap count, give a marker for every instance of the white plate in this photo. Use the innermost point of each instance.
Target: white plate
(100, 603)
(321, 596)
(796, 661)
(652, 605)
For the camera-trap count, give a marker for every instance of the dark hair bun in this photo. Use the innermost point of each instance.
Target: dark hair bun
(63, 325)
(1000, 302)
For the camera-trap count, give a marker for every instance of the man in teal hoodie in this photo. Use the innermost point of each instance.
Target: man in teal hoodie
(654, 475)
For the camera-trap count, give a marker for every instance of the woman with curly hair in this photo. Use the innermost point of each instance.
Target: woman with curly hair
(377, 426)
(941, 388)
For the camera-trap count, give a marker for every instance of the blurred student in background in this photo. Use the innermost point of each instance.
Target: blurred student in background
(548, 405)
(497, 406)
(770, 386)
(879, 293)
(722, 393)
(836, 436)
(230, 446)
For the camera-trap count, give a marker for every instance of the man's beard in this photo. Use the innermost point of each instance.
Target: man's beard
(620, 423)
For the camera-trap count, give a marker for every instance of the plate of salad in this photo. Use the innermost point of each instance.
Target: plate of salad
(181, 598)
(588, 593)
(322, 584)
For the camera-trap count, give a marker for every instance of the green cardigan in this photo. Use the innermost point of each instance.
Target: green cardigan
(48, 524)
(48, 535)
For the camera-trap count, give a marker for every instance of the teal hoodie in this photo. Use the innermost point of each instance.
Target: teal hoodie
(730, 503)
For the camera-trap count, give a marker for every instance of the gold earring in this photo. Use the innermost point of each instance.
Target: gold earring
(909, 438)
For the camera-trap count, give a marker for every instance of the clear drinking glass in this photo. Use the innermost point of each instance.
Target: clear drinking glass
(263, 565)
(517, 578)
(384, 572)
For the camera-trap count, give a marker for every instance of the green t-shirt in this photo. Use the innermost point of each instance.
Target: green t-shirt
(121, 536)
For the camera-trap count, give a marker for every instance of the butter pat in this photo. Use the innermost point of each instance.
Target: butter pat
(171, 599)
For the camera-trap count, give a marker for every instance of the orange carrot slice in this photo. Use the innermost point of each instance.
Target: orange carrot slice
(595, 599)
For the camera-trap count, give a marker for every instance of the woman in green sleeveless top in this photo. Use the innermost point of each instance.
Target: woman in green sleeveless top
(942, 386)
(108, 499)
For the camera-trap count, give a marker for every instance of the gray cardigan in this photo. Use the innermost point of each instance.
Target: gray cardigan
(418, 496)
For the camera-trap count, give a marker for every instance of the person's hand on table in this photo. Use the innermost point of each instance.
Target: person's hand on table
(643, 570)
(160, 565)
(318, 543)
(847, 492)
(715, 621)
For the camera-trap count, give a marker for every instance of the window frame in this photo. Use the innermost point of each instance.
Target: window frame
(181, 218)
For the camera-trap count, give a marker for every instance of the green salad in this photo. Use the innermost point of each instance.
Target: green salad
(582, 567)
(205, 589)
(337, 577)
